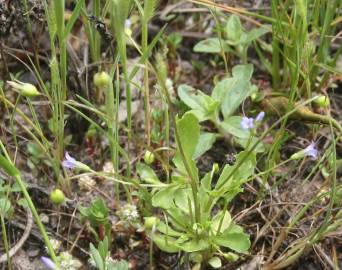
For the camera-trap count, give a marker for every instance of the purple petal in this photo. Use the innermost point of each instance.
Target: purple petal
(260, 116)
(69, 158)
(49, 264)
(247, 123)
(311, 151)
(69, 162)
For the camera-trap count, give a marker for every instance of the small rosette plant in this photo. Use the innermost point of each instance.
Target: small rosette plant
(196, 221)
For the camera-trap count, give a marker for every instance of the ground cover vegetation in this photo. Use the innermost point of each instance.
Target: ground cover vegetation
(153, 134)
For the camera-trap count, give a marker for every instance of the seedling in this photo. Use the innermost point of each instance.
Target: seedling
(97, 214)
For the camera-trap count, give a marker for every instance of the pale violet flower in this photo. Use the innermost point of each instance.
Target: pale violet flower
(70, 163)
(248, 122)
(260, 116)
(48, 263)
(311, 151)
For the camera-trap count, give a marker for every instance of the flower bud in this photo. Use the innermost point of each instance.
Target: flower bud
(57, 196)
(254, 96)
(322, 101)
(297, 155)
(150, 222)
(148, 157)
(216, 168)
(230, 256)
(25, 89)
(128, 30)
(101, 79)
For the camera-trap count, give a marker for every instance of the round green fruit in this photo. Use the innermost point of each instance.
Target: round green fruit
(148, 157)
(322, 101)
(101, 79)
(57, 196)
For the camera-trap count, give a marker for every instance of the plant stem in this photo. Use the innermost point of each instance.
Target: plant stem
(5, 240)
(36, 217)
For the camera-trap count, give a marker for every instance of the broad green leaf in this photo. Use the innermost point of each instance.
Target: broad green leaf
(211, 45)
(97, 257)
(203, 106)
(236, 241)
(188, 130)
(165, 243)
(178, 218)
(182, 197)
(194, 245)
(234, 29)
(167, 230)
(189, 133)
(164, 197)
(232, 125)
(243, 72)
(233, 228)
(221, 88)
(5, 206)
(103, 248)
(236, 89)
(254, 34)
(225, 222)
(206, 141)
(215, 262)
(186, 93)
(147, 174)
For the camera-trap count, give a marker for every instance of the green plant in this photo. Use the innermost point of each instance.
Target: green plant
(225, 99)
(100, 258)
(196, 217)
(234, 40)
(97, 214)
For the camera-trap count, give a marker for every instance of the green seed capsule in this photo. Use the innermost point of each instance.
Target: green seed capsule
(57, 196)
(322, 101)
(216, 168)
(25, 89)
(101, 79)
(148, 157)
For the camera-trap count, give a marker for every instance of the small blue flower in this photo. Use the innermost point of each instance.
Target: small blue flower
(260, 116)
(247, 123)
(69, 162)
(311, 151)
(49, 264)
